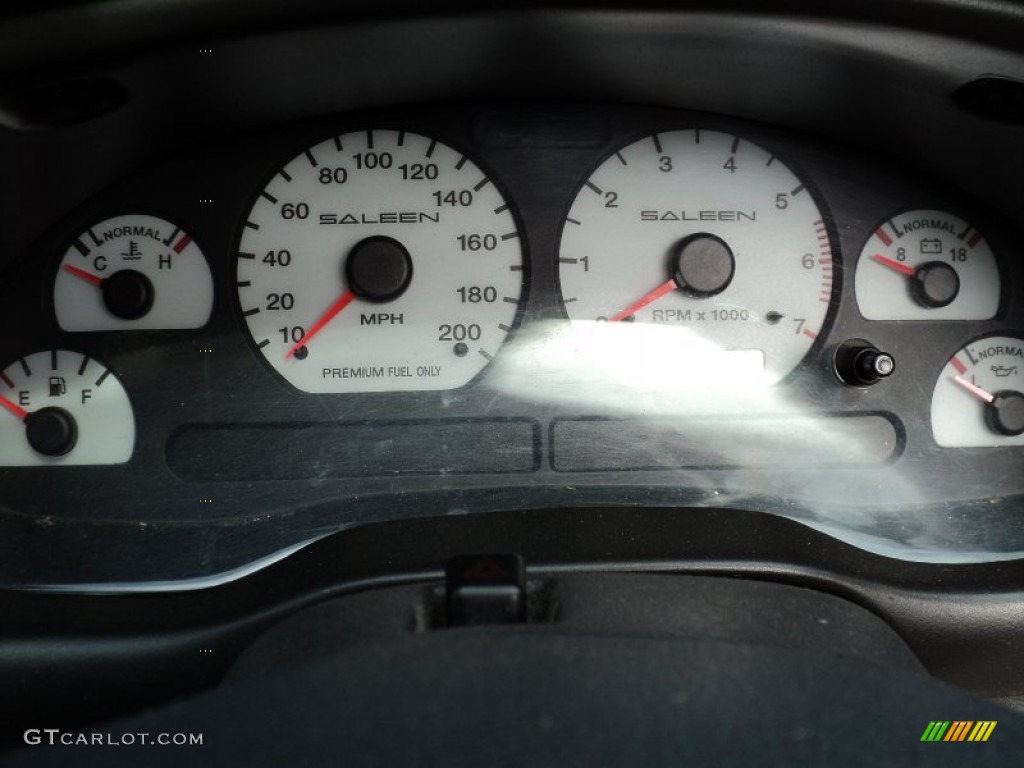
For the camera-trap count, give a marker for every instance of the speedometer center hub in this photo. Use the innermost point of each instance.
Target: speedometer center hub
(378, 269)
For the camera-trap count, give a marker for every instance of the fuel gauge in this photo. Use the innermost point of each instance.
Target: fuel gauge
(979, 397)
(133, 272)
(927, 265)
(60, 407)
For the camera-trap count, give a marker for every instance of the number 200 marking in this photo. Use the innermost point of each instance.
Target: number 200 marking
(458, 332)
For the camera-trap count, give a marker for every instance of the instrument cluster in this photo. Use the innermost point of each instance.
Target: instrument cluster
(440, 310)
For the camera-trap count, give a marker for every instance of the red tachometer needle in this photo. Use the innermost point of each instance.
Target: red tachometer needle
(343, 301)
(885, 261)
(667, 287)
(87, 276)
(974, 389)
(18, 411)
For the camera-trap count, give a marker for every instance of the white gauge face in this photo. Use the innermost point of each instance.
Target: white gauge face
(133, 272)
(380, 261)
(706, 233)
(979, 397)
(927, 265)
(59, 407)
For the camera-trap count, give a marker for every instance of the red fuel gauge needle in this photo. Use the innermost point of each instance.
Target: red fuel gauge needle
(667, 287)
(885, 261)
(87, 276)
(18, 411)
(342, 301)
(974, 389)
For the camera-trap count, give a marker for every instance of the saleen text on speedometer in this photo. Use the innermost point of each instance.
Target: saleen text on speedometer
(379, 261)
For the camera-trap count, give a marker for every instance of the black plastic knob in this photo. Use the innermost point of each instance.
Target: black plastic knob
(861, 364)
(378, 269)
(128, 294)
(51, 431)
(1005, 414)
(934, 284)
(702, 265)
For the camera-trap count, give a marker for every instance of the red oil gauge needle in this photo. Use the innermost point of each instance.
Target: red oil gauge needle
(21, 413)
(974, 389)
(667, 287)
(87, 276)
(885, 261)
(342, 301)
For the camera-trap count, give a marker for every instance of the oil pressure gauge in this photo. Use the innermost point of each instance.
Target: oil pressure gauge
(927, 265)
(133, 272)
(61, 407)
(979, 397)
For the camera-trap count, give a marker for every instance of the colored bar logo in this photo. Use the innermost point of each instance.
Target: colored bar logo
(959, 730)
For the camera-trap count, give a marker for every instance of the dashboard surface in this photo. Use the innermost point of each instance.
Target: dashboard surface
(673, 301)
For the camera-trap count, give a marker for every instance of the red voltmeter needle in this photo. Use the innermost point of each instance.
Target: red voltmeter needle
(18, 411)
(87, 276)
(343, 301)
(885, 261)
(667, 287)
(974, 389)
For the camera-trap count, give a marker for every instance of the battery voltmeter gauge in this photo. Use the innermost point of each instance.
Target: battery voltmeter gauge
(927, 265)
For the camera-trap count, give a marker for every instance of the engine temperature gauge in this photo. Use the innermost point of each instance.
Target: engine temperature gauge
(927, 265)
(60, 407)
(979, 397)
(133, 272)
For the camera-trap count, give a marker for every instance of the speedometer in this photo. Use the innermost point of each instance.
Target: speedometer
(708, 234)
(379, 261)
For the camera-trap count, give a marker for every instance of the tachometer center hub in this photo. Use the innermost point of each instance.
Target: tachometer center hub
(702, 265)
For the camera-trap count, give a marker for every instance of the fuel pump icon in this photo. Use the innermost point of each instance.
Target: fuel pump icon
(58, 387)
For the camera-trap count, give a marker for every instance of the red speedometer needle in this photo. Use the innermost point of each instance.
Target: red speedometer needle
(667, 287)
(87, 276)
(18, 411)
(974, 389)
(342, 301)
(885, 261)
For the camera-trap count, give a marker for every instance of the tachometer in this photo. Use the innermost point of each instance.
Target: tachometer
(704, 232)
(379, 261)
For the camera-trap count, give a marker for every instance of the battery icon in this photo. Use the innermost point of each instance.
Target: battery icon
(931, 245)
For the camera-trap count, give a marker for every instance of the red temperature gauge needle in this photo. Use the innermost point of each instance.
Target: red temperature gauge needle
(667, 287)
(18, 411)
(87, 276)
(974, 389)
(885, 261)
(343, 301)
